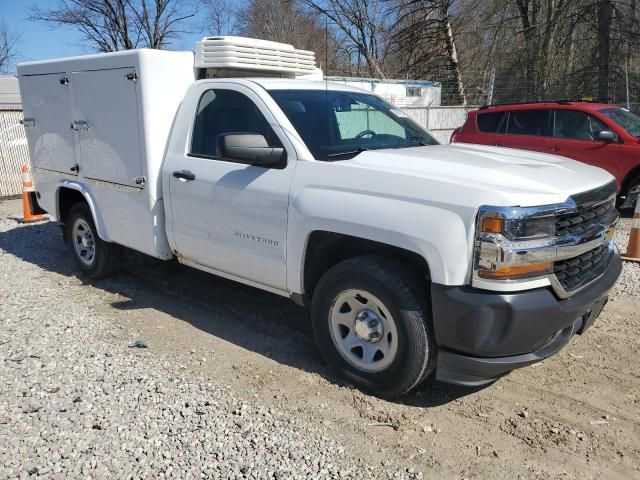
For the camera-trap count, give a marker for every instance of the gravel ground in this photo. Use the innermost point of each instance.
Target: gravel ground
(77, 403)
(231, 386)
(629, 282)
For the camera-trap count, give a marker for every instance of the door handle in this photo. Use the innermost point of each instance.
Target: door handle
(499, 145)
(555, 148)
(80, 126)
(74, 168)
(184, 175)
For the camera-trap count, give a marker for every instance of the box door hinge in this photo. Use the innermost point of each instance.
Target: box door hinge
(28, 122)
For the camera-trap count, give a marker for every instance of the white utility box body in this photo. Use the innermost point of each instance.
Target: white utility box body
(104, 120)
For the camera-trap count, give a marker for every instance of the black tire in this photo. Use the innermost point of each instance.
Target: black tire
(404, 295)
(628, 211)
(106, 257)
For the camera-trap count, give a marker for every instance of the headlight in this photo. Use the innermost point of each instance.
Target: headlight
(513, 244)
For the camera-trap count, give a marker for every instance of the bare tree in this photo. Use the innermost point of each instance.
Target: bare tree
(425, 38)
(111, 25)
(541, 22)
(604, 14)
(220, 17)
(8, 42)
(364, 23)
(289, 22)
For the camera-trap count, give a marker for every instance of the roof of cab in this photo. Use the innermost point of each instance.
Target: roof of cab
(297, 84)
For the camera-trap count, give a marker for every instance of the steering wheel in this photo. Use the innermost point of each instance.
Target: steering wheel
(366, 132)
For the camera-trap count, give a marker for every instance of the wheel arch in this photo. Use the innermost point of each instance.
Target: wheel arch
(324, 249)
(68, 194)
(629, 177)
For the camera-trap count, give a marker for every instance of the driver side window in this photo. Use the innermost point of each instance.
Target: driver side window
(227, 111)
(362, 118)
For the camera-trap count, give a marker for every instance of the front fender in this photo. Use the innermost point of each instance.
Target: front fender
(439, 235)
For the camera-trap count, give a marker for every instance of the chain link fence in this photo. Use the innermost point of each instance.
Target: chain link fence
(14, 152)
(440, 121)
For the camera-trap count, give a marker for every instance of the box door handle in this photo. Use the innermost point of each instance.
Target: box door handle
(80, 126)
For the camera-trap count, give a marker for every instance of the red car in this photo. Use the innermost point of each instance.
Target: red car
(599, 134)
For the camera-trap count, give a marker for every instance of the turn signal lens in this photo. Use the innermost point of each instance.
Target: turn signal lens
(492, 225)
(517, 271)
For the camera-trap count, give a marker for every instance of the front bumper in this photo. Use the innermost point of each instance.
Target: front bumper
(483, 335)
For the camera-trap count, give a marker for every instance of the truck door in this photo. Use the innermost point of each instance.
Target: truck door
(107, 123)
(47, 110)
(230, 216)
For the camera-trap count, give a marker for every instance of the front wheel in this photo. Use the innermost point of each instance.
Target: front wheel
(373, 325)
(95, 257)
(632, 195)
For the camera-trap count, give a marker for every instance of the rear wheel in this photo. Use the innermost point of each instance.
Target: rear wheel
(95, 257)
(373, 326)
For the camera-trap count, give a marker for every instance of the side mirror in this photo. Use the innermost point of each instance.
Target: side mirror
(251, 148)
(606, 136)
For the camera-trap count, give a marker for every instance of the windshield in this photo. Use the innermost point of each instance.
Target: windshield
(340, 125)
(627, 120)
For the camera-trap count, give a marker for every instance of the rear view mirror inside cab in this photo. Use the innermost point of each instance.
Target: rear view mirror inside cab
(341, 103)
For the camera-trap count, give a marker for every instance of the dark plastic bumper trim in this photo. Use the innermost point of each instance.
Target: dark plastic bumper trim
(483, 335)
(473, 372)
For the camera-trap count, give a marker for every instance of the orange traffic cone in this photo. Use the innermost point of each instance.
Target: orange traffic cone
(31, 210)
(633, 249)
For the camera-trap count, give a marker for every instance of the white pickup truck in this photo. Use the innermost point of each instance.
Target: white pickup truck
(453, 262)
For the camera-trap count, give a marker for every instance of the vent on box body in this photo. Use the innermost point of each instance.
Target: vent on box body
(219, 57)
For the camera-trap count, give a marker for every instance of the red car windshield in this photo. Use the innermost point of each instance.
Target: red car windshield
(627, 120)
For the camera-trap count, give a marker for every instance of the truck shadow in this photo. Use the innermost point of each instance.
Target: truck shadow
(262, 322)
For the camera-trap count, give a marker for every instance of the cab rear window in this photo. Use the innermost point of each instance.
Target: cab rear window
(492, 122)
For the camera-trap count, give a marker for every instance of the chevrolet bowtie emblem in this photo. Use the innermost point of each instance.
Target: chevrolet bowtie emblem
(609, 233)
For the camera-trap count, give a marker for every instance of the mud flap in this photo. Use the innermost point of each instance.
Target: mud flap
(34, 206)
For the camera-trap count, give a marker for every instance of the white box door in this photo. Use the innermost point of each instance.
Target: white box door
(46, 100)
(106, 118)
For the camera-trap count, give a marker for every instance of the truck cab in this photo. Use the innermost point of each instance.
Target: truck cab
(417, 260)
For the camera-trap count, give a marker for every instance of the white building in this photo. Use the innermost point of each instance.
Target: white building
(402, 93)
(9, 93)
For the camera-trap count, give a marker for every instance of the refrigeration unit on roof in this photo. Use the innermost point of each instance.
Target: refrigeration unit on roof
(218, 57)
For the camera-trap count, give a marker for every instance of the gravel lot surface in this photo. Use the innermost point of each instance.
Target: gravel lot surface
(231, 386)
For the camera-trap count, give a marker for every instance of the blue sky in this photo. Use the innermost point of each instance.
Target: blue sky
(37, 41)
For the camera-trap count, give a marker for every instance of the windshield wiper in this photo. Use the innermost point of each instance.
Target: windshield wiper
(350, 152)
(416, 141)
